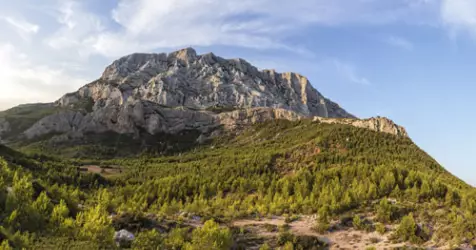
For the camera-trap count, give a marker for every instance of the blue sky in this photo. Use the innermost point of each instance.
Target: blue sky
(410, 60)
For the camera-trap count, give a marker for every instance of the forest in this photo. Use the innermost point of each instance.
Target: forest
(341, 174)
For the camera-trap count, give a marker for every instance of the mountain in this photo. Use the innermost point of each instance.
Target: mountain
(149, 95)
(187, 151)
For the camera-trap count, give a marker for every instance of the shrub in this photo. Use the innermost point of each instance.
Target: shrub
(408, 230)
(285, 237)
(321, 227)
(211, 236)
(357, 223)
(270, 227)
(374, 240)
(381, 229)
(265, 246)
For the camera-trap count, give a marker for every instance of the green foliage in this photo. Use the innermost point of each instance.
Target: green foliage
(386, 212)
(265, 246)
(95, 225)
(408, 230)
(176, 239)
(5, 245)
(357, 223)
(210, 236)
(275, 168)
(381, 229)
(146, 240)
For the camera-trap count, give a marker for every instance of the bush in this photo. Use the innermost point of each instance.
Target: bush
(270, 228)
(408, 230)
(381, 229)
(292, 218)
(284, 228)
(374, 240)
(285, 237)
(211, 236)
(147, 240)
(321, 227)
(357, 223)
(309, 243)
(265, 246)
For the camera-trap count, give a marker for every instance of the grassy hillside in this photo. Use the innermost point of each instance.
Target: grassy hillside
(346, 177)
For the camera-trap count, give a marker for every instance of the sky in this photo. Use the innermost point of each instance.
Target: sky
(413, 61)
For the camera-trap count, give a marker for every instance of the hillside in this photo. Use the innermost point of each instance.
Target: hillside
(333, 177)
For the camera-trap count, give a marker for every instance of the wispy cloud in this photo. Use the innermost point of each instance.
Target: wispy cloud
(349, 72)
(81, 35)
(459, 16)
(22, 27)
(399, 42)
(144, 25)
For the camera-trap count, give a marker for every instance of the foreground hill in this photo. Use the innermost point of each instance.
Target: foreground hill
(329, 177)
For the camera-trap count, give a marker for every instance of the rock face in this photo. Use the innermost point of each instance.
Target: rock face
(379, 124)
(185, 79)
(160, 93)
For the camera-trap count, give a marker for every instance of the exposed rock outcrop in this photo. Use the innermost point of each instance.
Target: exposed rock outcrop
(379, 124)
(185, 79)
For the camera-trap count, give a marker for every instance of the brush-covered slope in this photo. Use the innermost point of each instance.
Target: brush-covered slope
(288, 168)
(337, 176)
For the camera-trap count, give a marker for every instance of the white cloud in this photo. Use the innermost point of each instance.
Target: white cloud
(79, 38)
(459, 15)
(399, 42)
(349, 72)
(23, 28)
(78, 29)
(23, 81)
(145, 25)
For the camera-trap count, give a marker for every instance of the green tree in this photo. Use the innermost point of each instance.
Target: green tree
(176, 239)
(147, 240)
(42, 205)
(5, 244)
(96, 225)
(357, 223)
(60, 213)
(385, 211)
(407, 229)
(211, 236)
(381, 229)
(265, 246)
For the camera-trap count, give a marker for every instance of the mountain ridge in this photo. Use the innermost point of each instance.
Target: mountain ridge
(169, 93)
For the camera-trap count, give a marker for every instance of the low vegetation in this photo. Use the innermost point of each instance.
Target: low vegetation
(278, 168)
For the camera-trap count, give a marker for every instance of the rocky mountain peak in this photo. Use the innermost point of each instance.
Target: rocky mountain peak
(186, 55)
(185, 79)
(169, 93)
